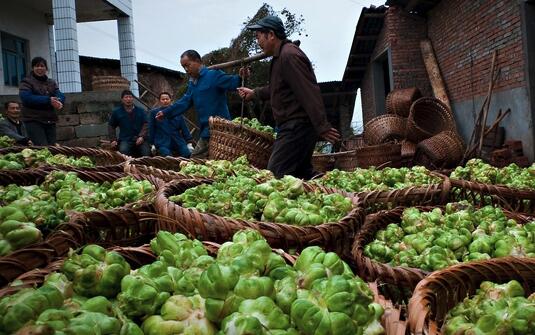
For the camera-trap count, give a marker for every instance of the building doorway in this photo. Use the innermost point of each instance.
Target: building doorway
(382, 80)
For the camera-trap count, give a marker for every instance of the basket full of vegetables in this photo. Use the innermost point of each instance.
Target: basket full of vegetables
(287, 212)
(486, 297)
(60, 157)
(402, 246)
(177, 285)
(232, 139)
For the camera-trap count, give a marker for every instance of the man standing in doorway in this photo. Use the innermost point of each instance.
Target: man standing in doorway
(295, 99)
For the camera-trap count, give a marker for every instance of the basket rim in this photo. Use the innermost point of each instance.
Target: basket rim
(216, 121)
(395, 121)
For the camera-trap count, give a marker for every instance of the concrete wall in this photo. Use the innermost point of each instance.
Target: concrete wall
(28, 24)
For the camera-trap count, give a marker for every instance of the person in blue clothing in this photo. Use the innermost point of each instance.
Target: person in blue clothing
(169, 135)
(41, 99)
(132, 123)
(206, 92)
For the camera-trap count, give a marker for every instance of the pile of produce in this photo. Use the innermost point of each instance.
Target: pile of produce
(25, 209)
(30, 158)
(435, 240)
(6, 141)
(372, 179)
(255, 124)
(277, 200)
(495, 309)
(245, 289)
(222, 169)
(513, 176)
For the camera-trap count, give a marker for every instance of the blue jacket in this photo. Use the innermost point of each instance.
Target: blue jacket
(167, 130)
(208, 95)
(130, 126)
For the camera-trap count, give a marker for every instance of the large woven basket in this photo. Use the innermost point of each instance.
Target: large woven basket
(323, 162)
(105, 160)
(441, 291)
(512, 199)
(352, 143)
(336, 236)
(110, 83)
(381, 155)
(444, 150)
(428, 117)
(230, 140)
(142, 255)
(397, 276)
(384, 129)
(399, 101)
(165, 168)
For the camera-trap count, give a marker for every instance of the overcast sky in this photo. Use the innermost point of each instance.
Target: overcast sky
(165, 28)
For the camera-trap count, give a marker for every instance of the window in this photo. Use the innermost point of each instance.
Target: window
(14, 58)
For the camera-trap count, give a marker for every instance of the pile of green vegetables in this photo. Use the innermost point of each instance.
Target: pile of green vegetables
(245, 289)
(6, 141)
(255, 124)
(277, 200)
(222, 169)
(30, 158)
(513, 176)
(435, 240)
(373, 179)
(27, 210)
(495, 309)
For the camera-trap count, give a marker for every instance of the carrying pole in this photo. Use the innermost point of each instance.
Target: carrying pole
(239, 62)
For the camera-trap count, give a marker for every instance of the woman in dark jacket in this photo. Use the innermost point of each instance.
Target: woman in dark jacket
(41, 99)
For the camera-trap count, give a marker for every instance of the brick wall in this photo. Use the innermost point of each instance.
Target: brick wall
(401, 33)
(465, 32)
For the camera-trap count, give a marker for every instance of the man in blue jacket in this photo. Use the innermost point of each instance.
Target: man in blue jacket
(132, 123)
(169, 135)
(206, 92)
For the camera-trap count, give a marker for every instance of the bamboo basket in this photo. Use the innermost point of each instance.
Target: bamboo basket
(335, 236)
(441, 291)
(428, 117)
(229, 140)
(399, 101)
(109, 83)
(381, 155)
(384, 129)
(444, 150)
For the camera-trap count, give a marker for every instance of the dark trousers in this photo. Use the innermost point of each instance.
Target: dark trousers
(178, 146)
(293, 149)
(131, 149)
(41, 133)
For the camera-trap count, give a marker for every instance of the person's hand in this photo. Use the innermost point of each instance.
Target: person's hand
(159, 116)
(56, 103)
(244, 72)
(332, 135)
(140, 140)
(113, 144)
(246, 93)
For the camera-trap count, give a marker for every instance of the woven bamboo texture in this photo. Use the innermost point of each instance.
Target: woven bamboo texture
(428, 117)
(516, 200)
(353, 142)
(444, 150)
(323, 162)
(142, 255)
(381, 155)
(441, 291)
(109, 83)
(165, 168)
(399, 101)
(229, 140)
(335, 236)
(384, 129)
(397, 276)
(105, 160)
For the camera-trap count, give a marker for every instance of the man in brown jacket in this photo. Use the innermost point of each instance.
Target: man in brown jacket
(295, 99)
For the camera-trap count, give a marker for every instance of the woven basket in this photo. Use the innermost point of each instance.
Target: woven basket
(229, 140)
(110, 83)
(399, 101)
(105, 161)
(165, 168)
(428, 117)
(441, 291)
(517, 200)
(381, 155)
(397, 276)
(323, 162)
(335, 236)
(444, 150)
(384, 129)
(353, 142)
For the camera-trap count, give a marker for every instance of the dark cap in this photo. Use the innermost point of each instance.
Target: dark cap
(269, 22)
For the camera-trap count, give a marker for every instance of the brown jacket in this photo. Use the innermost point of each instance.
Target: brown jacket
(35, 93)
(293, 90)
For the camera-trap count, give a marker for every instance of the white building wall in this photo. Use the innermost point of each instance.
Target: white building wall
(28, 24)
